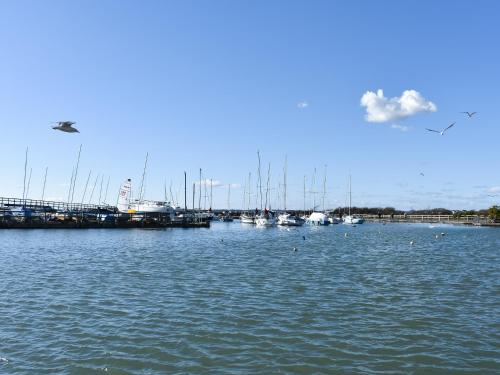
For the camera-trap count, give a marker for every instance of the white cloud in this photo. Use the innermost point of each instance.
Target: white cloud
(302, 105)
(207, 182)
(382, 109)
(402, 128)
(494, 189)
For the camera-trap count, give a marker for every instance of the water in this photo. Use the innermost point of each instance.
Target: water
(238, 300)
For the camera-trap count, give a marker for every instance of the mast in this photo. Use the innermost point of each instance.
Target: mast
(350, 197)
(141, 191)
(25, 168)
(93, 188)
(211, 196)
(324, 189)
(260, 181)
(229, 197)
(249, 189)
(44, 182)
(29, 182)
(304, 194)
(313, 191)
(194, 192)
(86, 185)
(185, 192)
(267, 183)
(199, 194)
(100, 190)
(284, 184)
(76, 173)
(106, 193)
(71, 183)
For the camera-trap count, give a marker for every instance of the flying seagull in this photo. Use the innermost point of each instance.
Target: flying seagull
(440, 132)
(470, 114)
(422, 174)
(65, 126)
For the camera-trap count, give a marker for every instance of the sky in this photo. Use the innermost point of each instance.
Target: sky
(344, 87)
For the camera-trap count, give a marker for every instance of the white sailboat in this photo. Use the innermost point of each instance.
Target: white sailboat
(132, 206)
(316, 217)
(265, 218)
(246, 217)
(137, 206)
(287, 219)
(352, 219)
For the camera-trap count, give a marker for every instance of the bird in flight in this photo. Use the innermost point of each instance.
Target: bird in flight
(442, 131)
(422, 174)
(470, 114)
(65, 126)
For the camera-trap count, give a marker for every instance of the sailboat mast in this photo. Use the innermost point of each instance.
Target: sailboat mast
(76, 173)
(324, 190)
(260, 181)
(249, 189)
(199, 194)
(141, 191)
(185, 192)
(304, 194)
(267, 183)
(284, 184)
(44, 182)
(229, 197)
(350, 197)
(211, 196)
(25, 168)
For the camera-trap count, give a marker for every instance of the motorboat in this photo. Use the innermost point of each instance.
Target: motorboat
(317, 218)
(290, 220)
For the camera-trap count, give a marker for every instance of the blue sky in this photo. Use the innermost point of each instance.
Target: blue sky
(202, 84)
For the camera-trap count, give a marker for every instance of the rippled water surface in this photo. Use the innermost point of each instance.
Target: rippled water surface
(234, 299)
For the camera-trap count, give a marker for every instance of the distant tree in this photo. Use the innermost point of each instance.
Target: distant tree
(494, 213)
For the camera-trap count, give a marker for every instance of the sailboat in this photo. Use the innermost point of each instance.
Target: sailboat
(352, 219)
(138, 206)
(265, 218)
(246, 217)
(227, 216)
(287, 219)
(133, 206)
(316, 217)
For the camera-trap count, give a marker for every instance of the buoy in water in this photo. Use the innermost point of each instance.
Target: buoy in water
(346, 234)
(294, 249)
(412, 242)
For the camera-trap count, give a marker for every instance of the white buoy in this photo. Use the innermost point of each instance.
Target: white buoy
(412, 242)
(346, 234)
(437, 236)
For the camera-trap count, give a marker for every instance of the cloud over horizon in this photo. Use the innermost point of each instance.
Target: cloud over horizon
(382, 109)
(402, 128)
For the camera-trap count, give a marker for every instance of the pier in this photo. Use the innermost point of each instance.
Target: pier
(18, 213)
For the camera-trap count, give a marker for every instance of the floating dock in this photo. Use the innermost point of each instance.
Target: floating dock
(36, 214)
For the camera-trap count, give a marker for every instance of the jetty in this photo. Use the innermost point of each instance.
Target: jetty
(18, 213)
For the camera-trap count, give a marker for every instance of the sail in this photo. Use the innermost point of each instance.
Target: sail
(124, 196)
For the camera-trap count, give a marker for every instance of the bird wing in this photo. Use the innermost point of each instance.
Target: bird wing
(449, 126)
(472, 114)
(432, 130)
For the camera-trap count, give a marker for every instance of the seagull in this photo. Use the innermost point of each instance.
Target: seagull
(440, 132)
(65, 126)
(412, 242)
(422, 174)
(470, 114)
